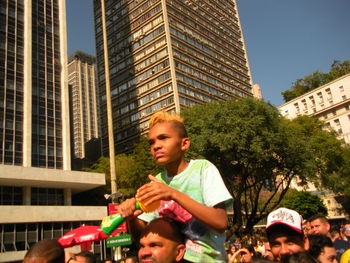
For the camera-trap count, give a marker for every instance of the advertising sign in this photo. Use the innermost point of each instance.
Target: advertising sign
(118, 241)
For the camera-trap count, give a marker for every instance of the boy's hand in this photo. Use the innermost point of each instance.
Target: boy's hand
(154, 191)
(127, 209)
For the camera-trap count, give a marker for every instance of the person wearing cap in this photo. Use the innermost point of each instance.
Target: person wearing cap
(285, 234)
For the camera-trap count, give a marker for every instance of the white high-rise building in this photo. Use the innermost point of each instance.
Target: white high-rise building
(329, 103)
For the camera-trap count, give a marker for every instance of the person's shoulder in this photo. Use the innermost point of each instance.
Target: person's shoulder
(341, 243)
(202, 162)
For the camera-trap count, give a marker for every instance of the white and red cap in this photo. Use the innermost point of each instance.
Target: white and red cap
(287, 217)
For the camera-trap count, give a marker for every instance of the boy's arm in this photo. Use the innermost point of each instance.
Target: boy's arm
(135, 227)
(214, 217)
(127, 210)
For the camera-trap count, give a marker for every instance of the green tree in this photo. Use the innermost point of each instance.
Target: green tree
(143, 165)
(257, 151)
(131, 170)
(316, 79)
(305, 203)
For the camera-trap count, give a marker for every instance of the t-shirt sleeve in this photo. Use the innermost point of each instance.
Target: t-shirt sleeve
(214, 189)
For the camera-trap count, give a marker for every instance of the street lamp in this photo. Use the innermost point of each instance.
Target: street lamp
(109, 104)
(114, 193)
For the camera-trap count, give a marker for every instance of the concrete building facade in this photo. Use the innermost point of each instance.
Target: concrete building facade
(84, 101)
(331, 104)
(36, 181)
(166, 54)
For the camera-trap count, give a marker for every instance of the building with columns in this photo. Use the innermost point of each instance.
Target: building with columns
(165, 54)
(36, 181)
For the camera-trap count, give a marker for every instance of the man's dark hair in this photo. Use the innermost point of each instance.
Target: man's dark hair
(90, 257)
(318, 243)
(49, 249)
(318, 216)
(175, 226)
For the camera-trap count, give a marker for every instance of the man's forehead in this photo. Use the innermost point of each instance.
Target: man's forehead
(34, 260)
(317, 221)
(283, 237)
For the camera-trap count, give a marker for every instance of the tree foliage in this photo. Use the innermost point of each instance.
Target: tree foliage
(131, 170)
(258, 152)
(305, 203)
(316, 79)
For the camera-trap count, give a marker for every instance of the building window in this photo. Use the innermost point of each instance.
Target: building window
(47, 196)
(320, 97)
(344, 97)
(329, 94)
(341, 89)
(296, 105)
(304, 105)
(10, 195)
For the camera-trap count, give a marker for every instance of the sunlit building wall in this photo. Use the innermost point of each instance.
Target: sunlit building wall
(84, 100)
(167, 54)
(329, 103)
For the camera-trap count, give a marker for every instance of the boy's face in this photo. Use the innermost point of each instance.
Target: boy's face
(165, 143)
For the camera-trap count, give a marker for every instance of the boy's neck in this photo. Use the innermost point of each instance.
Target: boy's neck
(176, 168)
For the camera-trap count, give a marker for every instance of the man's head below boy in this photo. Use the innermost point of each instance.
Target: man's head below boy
(167, 137)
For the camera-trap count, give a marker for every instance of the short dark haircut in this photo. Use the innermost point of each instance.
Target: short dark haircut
(175, 226)
(49, 249)
(90, 257)
(318, 216)
(318, 243)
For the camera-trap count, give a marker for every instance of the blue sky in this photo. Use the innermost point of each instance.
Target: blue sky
(285, 39)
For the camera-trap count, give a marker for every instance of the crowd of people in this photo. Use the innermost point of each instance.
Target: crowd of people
(289, 238)
(190, 223)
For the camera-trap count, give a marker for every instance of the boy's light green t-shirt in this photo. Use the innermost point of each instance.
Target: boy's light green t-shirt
(202, 181)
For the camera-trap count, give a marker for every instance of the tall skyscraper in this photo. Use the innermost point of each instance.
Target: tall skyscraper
(83, 100)
(36, 183)
(166, 54)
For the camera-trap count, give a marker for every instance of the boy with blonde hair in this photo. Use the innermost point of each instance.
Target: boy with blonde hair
(191, 192)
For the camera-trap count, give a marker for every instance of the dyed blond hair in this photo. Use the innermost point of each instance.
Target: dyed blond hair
(175, 119)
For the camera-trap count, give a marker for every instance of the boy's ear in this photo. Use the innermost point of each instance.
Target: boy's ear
(185, 144)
